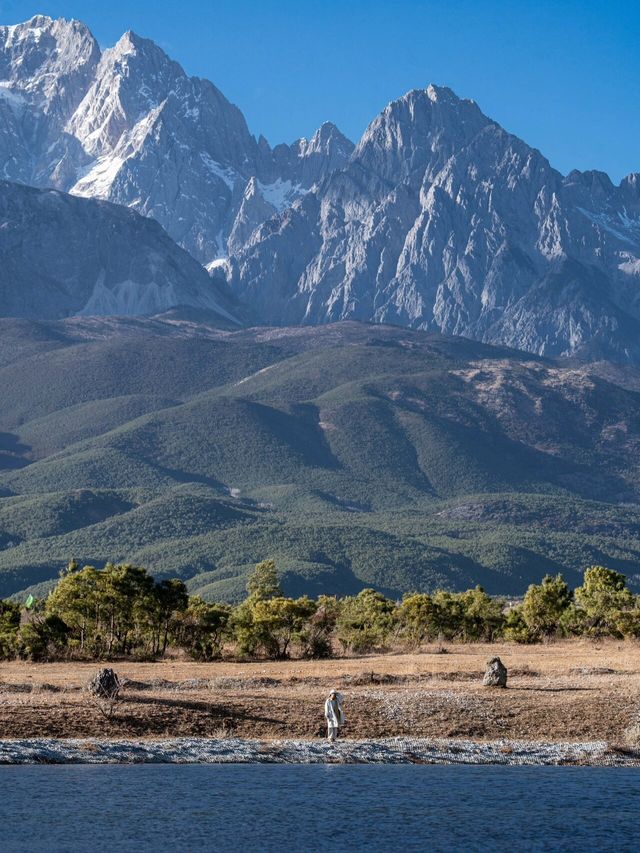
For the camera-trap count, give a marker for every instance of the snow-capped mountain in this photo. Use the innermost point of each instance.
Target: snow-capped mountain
(444, 221)
(64, 256)
(129, 126)
(439, 219)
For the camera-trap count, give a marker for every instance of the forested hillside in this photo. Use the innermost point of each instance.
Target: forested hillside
(354, 455)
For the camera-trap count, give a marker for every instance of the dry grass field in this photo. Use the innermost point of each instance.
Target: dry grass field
(574, 690)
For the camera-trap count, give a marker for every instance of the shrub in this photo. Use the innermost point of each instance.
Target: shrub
(544, 605)
(9, 625)
(263, 583)
(316, 636)
(42, 639)
(417, 619)
(602, 597)
(365, 621)
(278, 622)
(483, 617)
(515, 628)
(628, 622)
(201, 628)
(449, 615)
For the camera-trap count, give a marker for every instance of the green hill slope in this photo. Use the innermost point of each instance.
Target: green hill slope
(354, 455)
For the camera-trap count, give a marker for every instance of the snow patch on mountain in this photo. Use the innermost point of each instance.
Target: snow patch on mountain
(228, 175)
(95, 180)
(630, 266)
(613, 226)
(218, 264)
(281, 194)
(128, 125)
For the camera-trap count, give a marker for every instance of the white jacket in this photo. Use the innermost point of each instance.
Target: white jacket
(330, 714)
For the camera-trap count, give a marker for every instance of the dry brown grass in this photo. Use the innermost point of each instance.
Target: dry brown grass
(563, 691)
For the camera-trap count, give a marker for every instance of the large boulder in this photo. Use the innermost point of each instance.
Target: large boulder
(105, 684)
(496, 674)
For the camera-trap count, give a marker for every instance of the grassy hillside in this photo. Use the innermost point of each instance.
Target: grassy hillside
(354, 455)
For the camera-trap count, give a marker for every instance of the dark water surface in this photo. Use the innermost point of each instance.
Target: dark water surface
(328, 808)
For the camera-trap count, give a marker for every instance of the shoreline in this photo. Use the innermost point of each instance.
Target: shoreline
(395, 750)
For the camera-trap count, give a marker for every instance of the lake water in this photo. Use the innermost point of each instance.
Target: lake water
(328, 808)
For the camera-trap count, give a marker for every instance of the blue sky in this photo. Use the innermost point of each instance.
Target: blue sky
(563, 75)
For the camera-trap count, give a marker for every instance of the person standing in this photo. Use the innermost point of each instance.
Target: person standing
(334, 714)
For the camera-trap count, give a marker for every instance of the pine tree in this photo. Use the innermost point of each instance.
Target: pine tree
(263, 583)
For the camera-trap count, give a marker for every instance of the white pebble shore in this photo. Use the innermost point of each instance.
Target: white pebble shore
(399, 750)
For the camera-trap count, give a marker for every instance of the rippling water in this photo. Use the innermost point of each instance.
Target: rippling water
(328, 808)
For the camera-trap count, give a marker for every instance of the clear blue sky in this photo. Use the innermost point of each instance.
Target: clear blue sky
(562, 74)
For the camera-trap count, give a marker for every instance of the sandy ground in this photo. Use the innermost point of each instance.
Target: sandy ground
(564, 692)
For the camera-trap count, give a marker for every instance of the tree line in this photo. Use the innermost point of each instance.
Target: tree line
(120, 611)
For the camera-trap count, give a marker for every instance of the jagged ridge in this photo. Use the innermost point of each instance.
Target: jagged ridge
(129, 126)
(444, 221)
(439, 219)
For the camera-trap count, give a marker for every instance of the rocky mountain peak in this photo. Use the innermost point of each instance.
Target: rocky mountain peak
(130, 44)
(47, 57)
(131, 81)
(418, 132)
(39, 37)
(630, 187)
(593, 180)
(310, 160)
(442, 94)
(438, 219)
(128, 125)
(327, 139)
(443, 220)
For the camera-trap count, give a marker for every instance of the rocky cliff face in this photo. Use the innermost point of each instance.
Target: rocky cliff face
(63, 256)
(442, 220)
(129, 126)
(439, 219)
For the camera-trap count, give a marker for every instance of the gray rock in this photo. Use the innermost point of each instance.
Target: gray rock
(439, 219)
(444, 221)
(129, 126)
(104, 688)
(65, 256)
(496, 674)
(105, 684)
